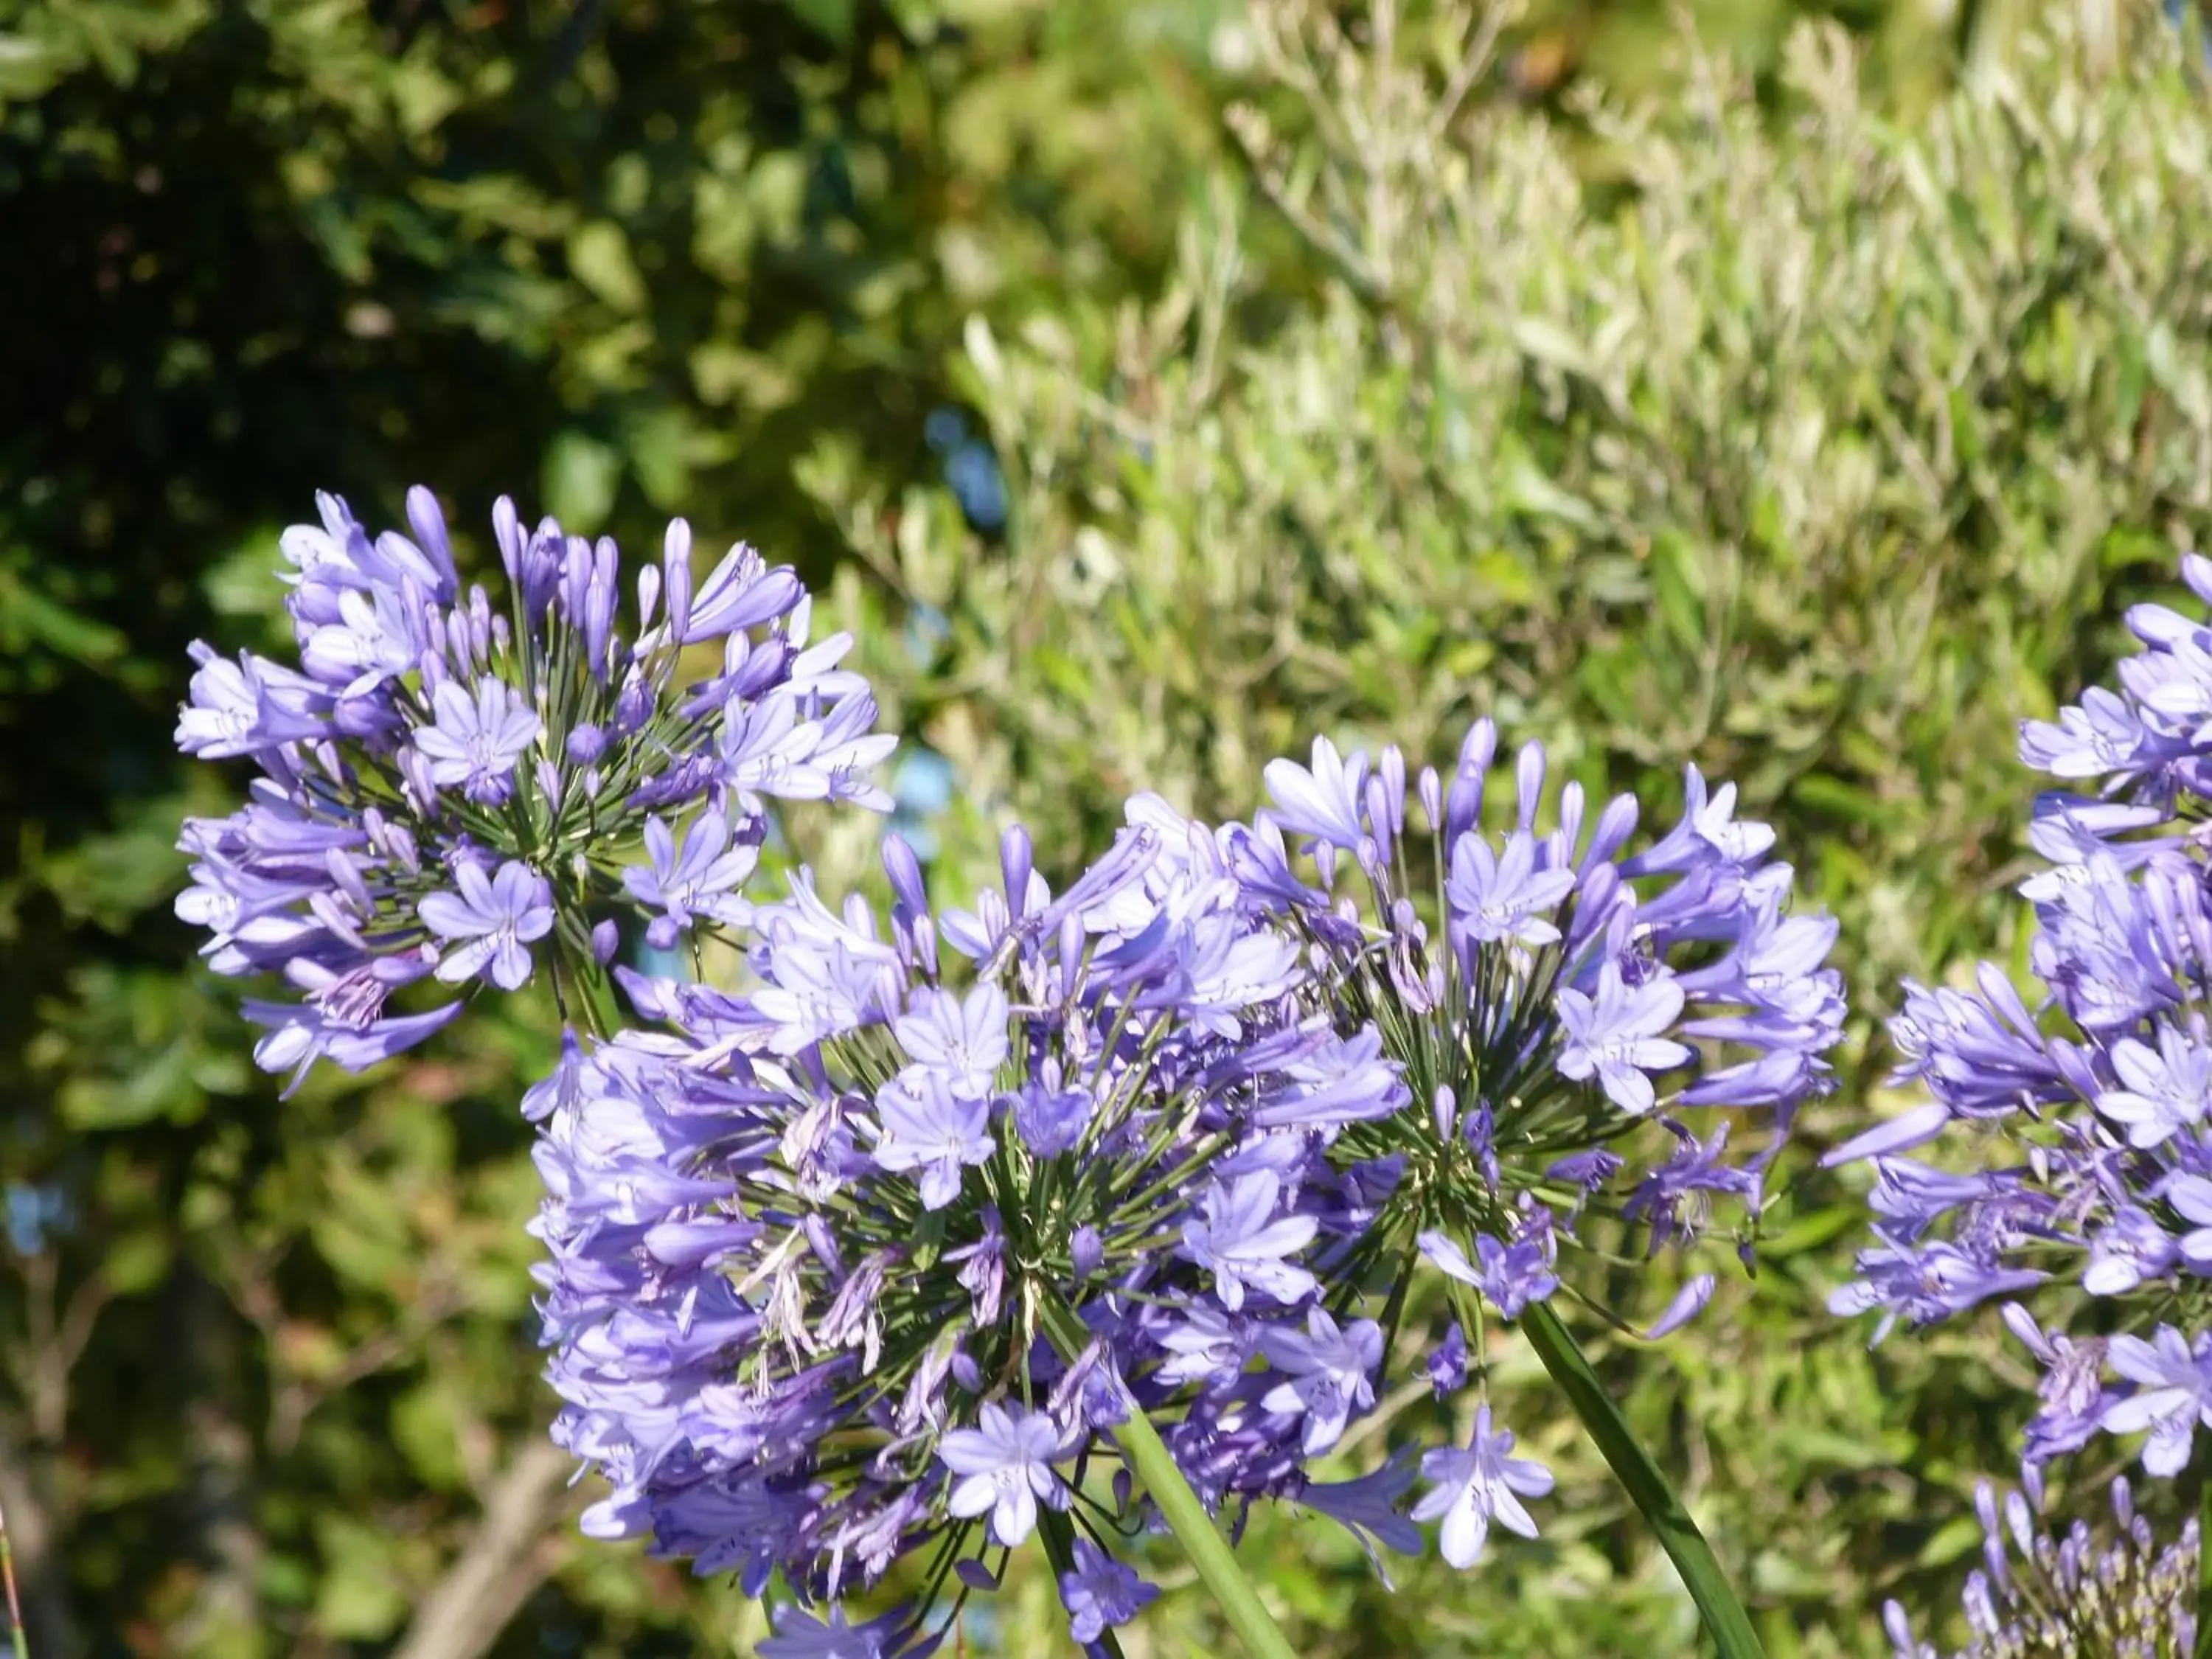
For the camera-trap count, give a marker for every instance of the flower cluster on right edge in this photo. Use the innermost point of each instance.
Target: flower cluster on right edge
(2083, 1158)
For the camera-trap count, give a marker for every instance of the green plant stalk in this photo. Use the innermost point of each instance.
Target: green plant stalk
(2204, 1564)
(1209, 1554)
(1723, 1615)
(21, 1641)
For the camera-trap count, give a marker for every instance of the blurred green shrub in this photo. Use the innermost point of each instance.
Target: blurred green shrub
(1813, 449)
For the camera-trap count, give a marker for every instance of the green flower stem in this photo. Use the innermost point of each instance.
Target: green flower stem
(2204, 1566)
(1725, 1616)
(21, 1641)
(1210, 1555)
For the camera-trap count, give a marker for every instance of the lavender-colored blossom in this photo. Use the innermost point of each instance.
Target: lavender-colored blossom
(1504, 896)
(487, 924)
(1474, 1486)
(1368, 1508)
(2172, 1394)
(2164, 1089)
(799, 1635)
(1004, 1467)
(1100, 1592)
(1328, 1374)
(2077, 1121)
(476, 740)
(1614, 1036)
(933, 1132)
(1447, 1364)
(1246, 1243)
(451, 787)
(698, 878)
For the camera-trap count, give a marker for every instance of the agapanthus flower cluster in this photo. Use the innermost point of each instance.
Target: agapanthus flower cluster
(2082, 1119)
(879, 1257)
(452, 788)
(1584, 1029)
(2115, 1593)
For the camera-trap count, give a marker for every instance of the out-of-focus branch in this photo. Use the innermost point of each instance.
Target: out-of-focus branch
(506, 1557)
(226, 1616)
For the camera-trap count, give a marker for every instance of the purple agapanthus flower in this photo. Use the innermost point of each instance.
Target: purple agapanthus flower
(431, 736)
(1100, 1592)
(1590, 1025)
(1328, 1375)
(1003, 1469)
(2172, 1394)
(476, 740)
(2077, 1123)
(697, 878)
(1614, 1036)
(1474, 1486)
(488, 925)
(877, 1258)
(931, 1131)
(1246, 1243)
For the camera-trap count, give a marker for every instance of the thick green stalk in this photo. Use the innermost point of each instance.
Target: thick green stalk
(1725, 1619)
(1210, 1555)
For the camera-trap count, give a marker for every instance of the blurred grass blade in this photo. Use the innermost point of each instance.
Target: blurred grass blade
(1725, 1619)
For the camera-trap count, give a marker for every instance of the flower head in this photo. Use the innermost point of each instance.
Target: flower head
(2113, 1592)
(2081, 1118)
(871, 1259)
(1584, 1028)
(450, 789)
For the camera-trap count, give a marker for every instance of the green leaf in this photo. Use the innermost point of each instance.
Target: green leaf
(1725, 1620)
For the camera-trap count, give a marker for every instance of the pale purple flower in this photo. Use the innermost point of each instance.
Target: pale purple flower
(493, 920)
(1323, 801)
(478, 740)
(1614, 1036)
(1472, 1487)
(697, 876)
(1328, 1374)
(2165, 1090)
(1244, 1241)
(2172, 1395)
(2127, 1251)
(929, 1129)
(1049, 1119)
(1447, 1364)
(963, 1039)
(1100, 1592)
(1505, 896)
(1367, 1508)
(800, 1635)
(1004, 1467)
(2192, 1198)
(1509, 1276)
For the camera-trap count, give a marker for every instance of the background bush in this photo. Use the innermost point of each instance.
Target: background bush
(1154, 387)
